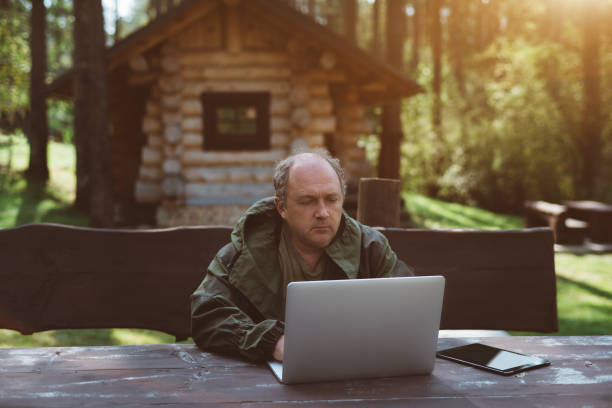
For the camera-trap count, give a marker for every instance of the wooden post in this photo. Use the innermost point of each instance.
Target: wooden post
(379, 202)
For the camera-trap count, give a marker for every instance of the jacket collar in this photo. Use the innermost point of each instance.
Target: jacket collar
(256, 237)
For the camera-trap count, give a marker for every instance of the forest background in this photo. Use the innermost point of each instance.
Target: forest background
(517, 101)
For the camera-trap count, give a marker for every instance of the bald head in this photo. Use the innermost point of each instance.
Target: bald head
(305, 161)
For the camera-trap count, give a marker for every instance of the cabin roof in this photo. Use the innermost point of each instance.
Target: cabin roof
(377, 80)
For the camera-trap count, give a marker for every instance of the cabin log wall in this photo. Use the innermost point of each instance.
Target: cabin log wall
(229, 52)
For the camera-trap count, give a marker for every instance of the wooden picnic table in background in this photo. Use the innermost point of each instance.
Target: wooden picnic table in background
(181, 374)
(597, 215)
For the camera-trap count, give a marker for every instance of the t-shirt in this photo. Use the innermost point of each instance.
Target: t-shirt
(293, 267)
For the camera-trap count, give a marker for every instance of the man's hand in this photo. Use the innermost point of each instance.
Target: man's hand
(279, 349)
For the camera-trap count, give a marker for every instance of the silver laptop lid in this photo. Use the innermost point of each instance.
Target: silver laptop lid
(361, 328)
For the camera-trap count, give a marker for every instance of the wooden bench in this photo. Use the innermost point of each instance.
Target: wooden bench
(62, 277)
(499, 280)
(567, 231)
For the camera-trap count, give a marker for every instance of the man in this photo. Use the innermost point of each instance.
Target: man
(300, 234)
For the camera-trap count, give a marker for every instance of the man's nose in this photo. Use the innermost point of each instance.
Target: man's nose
(322, 211)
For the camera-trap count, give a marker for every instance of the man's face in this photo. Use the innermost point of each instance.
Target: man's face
(313, 207)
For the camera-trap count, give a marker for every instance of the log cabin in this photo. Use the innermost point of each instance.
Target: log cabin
(205, 99)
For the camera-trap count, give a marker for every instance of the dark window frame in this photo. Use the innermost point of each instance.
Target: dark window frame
(211, 101)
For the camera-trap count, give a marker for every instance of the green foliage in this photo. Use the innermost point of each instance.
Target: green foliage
(511, 136)
(14, 57)
(15, 61)
(59, 37)
(514, 143)
(61, 117)
(137, 18)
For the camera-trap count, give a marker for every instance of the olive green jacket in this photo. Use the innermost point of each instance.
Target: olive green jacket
(238, 307)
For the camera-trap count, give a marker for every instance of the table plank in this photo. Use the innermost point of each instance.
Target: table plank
(581, 374)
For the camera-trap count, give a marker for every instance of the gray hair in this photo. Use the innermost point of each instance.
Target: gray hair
(281, 172)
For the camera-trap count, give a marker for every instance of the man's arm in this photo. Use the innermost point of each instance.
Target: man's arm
(401, 269)
(223, 320)
(383, 261)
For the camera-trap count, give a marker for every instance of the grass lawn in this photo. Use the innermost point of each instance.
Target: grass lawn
(584, 287)
(22, 202)
(584, 293)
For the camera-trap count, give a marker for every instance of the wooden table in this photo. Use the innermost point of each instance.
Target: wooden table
(182, 375)
(597, 215)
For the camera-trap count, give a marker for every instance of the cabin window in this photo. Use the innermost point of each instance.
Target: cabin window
(236, 120)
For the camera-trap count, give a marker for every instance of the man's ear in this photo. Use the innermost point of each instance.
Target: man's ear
(280, 208)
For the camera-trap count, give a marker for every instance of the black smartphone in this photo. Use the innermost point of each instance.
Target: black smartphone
(492, 359)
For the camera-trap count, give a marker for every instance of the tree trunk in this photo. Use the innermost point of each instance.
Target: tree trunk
(81, 86)
(390, 141)
(440, 155)
(349, 14)
(38, 130)
(389, 156)
(553, 20)
(416, 33)
(91, 111)
(331, 15)
(479, 26)
(117, 34)
(436, 51)
(592, 123)
(376, 44)
(99, 147)
(551, 29)
(493, 22)
(457, 44)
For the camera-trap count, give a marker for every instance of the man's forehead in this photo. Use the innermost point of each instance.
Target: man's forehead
(309, 161)
(311, 168)
(312, 173)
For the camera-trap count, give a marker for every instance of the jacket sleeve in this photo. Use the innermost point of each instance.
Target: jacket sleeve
(389, 265)
(382, 260)
(224, 320)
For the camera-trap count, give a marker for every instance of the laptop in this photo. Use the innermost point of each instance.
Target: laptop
(360, 328)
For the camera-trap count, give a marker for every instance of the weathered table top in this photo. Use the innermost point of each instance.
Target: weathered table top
(594, 206)
(179, 374)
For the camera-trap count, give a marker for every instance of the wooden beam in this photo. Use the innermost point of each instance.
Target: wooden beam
(232, 28)
(157, 33)
(379, 202)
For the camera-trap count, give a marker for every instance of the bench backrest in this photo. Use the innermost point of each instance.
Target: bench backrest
(58, 277)
(503, 280)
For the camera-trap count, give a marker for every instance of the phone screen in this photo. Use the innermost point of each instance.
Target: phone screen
(492, 358)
